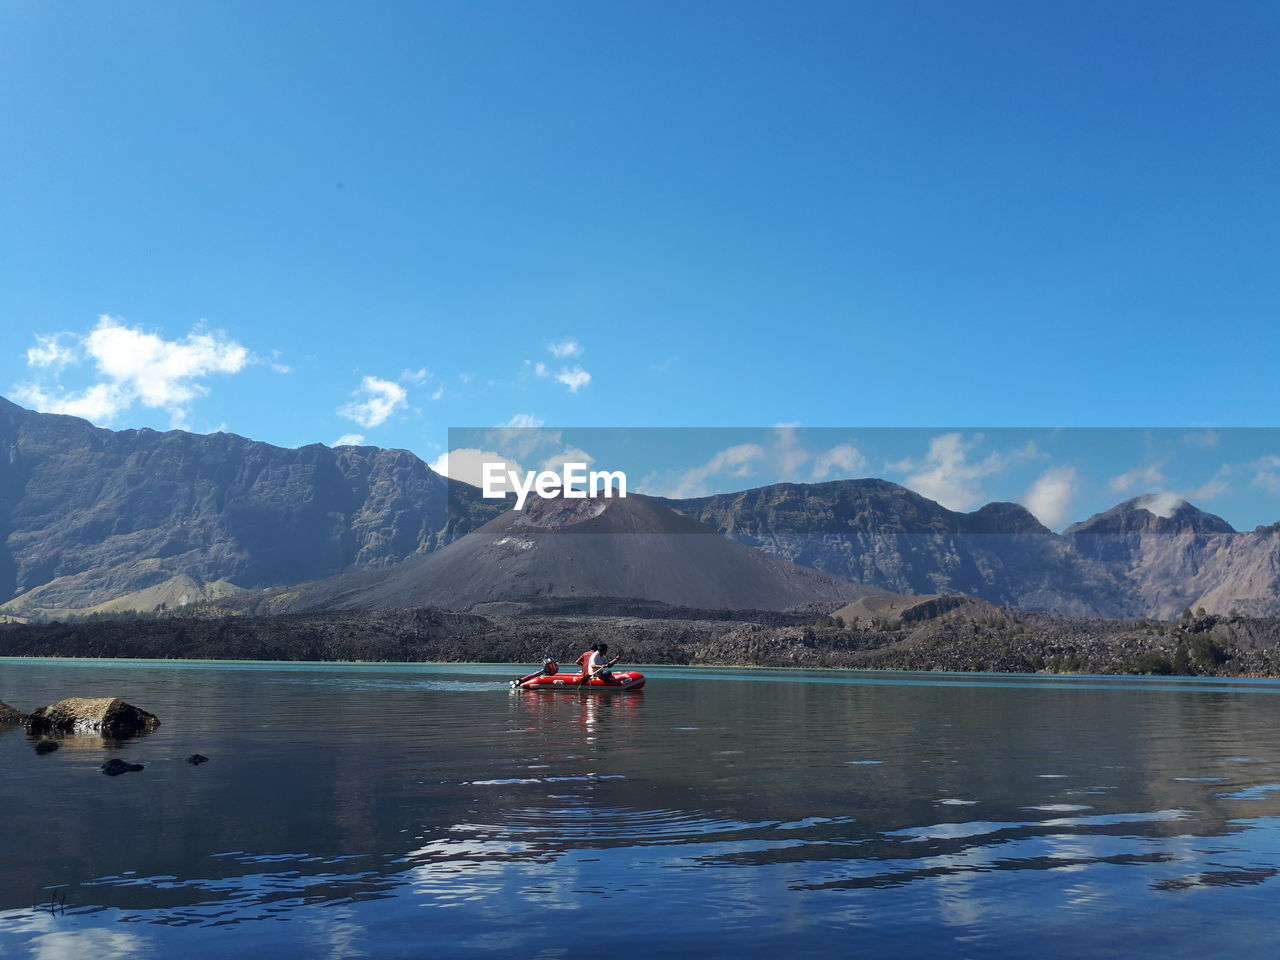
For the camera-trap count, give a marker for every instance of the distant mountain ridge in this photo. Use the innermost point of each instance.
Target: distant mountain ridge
(1149, 556)
(1173, 555)
(90, 516)
(1150, 514)
(881, 534)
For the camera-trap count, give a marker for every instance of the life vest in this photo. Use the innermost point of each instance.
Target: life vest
(584, 659)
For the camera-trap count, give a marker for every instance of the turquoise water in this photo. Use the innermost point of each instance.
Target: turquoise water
(428, 810)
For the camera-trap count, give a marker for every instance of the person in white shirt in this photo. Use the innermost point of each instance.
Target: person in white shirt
(597, 665)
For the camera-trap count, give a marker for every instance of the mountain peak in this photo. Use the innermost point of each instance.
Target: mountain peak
(1164, 513)
(634, 513)
(640, 551)
(1001, 517)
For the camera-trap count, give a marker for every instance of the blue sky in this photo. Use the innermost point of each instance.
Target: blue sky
(309, 221)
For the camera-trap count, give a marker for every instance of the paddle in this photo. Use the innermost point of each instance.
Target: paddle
(586, 677)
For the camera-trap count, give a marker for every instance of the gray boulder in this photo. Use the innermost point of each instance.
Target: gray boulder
(105, 715)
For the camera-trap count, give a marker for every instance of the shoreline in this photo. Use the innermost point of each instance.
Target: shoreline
(488, 665)
(970, 638)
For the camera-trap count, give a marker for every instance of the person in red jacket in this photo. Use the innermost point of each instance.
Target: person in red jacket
(583, 660)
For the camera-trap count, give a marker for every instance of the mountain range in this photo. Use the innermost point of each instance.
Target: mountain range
(89, 516)
(100, 520)
(1139, 558)
(634, 547)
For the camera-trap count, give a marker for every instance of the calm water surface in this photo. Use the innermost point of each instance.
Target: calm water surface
(429, 811)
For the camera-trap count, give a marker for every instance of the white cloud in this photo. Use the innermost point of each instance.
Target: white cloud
(136, 366)
(1148, 476)
(522, 438)
(50, 353)
(381, 398)
(568, 455)
(565, 348)
(467, 464)
(416, 377)
(947, 476)
(1051, 496)
(1267, 475)
(736, 461)
(1210, 490)
(789, 456)
(786, 451)
(844, 461)
(349, 440)
(782, 458)
(1158, 498)
(575, 378)
(277, 365)
(159, 371)
(100, 403)
(1161, 504)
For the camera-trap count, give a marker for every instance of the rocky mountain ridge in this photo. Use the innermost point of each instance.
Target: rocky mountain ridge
(881, 534)
(91, 519)
(1148, 556)
(88, 515)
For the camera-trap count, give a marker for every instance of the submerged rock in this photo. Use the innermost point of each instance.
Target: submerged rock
(106, 715)
(10, 715)
(113, 768)
(197, 758)
(46, 746)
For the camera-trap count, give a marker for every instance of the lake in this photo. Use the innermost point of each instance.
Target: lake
(430, 811)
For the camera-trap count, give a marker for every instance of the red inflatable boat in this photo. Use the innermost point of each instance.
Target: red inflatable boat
(549, 678)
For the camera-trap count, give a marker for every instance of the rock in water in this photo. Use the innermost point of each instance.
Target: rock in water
(113, 768)
(197, 758)
(9, 715)
(105, 715)
(46, 746)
